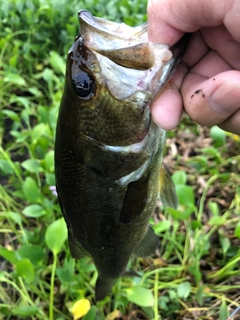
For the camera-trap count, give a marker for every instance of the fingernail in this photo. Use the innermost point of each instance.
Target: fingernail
(226, 98)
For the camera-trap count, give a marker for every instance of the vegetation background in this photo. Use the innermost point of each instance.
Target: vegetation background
(195, 274)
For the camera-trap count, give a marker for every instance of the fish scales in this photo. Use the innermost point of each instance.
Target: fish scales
(109, 249)
(93, 120)
(108, 151)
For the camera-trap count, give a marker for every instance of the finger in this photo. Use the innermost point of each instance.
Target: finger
(212, 101)
(231, 18)
(219, 39)
(232, 124)
(196, 49)
(160, 31)
(167, 19)
(167, 109)
(210, 65)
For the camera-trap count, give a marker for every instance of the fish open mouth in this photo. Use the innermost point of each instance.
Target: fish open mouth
(126, 57)
(126, 46)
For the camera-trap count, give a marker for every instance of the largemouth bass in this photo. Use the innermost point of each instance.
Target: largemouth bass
(108, 155)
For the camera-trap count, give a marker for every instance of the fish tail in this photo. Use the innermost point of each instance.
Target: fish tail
(103, 286)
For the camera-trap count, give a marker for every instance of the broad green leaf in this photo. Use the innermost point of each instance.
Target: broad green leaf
(162, 226)
(237, 230)
(50, 179)
(25, 270)
(57, 62)
(11, 114)
(195, 224)
(179, 177)
(180, 214)
(213, 152)
(141, 296)
(14, 216)
(20, 136)
(218, 135)
(9, 255)
(32, 252)
(25, 311)
(25, 116)
(23, 101)
(172, 295)
(184, 289)
(2, 276)
(148, 311)
(200, 163)
(38, 131)
(32, 165)
(34, 211)
(5, 167)
(217, 221)
(185, 195)
(49, 161)
(225, 243)
(163, 302)
(35, 91)
(80, 308)
(64, 275)
(200, 294)
(223, 312)
(48, 75)
(56, 235)
(214, 208)
(15, 78)
(195, 270)
(186, 203)
(91, 315)
(31, 190)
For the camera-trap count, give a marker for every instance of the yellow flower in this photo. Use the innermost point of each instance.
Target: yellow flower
(80, 308)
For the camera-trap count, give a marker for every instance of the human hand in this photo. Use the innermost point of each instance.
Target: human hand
(207, 82)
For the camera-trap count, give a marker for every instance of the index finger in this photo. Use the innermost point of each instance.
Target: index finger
(159, 28)
(169, 19)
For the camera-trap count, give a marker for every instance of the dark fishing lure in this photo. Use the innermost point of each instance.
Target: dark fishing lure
(108, 154)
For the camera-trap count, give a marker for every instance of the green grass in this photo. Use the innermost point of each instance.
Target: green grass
(195, 274)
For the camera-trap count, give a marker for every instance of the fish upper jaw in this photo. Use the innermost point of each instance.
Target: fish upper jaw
(124, 53)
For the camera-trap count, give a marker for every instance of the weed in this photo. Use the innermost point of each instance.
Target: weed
(195, 273)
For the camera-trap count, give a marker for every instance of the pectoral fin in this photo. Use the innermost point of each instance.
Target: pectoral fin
(148, 245)
(167, 192)
(135, 200)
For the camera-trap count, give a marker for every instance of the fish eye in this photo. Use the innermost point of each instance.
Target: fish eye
(83, 84)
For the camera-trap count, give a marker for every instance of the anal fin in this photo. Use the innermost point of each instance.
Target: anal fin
(148, 244)
(130, 274)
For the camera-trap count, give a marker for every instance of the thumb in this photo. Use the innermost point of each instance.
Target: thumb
(167, 109)
(213, 101)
